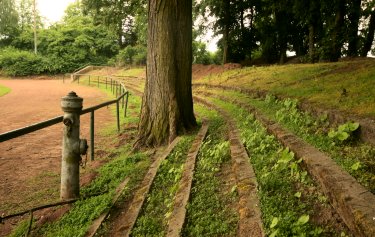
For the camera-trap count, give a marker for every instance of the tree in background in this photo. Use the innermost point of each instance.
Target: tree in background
(221, 11)
(8, 21)
(66, 46)
(354, 15)
(234, 20)
(118, 15)
(369, 13)
(322, 30)
(167, 105)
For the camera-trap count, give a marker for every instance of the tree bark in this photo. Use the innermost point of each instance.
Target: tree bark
(354, 15)
(226, 30)
(337, 36)
(370, 36)
(282, 30)
(167, 104)
(311, 43)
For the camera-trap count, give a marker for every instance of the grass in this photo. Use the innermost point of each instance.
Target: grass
(315, 131)
(79, 218)
(211, 210)
(321, 83)
(132, 72)
(288, 203)
(4, 90)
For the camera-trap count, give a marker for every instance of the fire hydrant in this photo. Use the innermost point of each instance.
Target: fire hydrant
(72, 148)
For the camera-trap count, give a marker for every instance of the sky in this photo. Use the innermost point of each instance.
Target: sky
(53, 11)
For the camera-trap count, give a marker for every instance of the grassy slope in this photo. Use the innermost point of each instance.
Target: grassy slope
(133, 72)
(322, 83)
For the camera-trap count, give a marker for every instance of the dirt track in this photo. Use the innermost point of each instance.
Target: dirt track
(30, 165)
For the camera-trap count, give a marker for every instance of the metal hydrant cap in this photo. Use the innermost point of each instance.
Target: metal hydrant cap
(72, 102)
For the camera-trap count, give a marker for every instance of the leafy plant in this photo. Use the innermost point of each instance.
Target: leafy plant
(344, 132)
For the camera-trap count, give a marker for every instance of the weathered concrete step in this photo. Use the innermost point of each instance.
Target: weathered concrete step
(367, 129)
(177, 217)
(129, 218)
(250, 222)
(354, 203)
(98, 222)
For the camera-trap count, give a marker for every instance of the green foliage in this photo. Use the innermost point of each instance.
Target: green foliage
(8, 20)
(356, 158)
(79, 219)
(21, 229)
(344, 132)
(63, 47)
(277, 174)
(280, 178)
(200, 54)
(121, 16)
(131, 55)
(15, 62)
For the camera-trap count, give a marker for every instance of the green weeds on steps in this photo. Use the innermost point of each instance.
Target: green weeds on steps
(209, 211)
(79, 218)
(354, 156)
(153, 219)
(286, 191)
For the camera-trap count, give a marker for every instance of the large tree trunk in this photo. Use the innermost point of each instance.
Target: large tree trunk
(167, 106)
(311, 43)
(337, 36)
(226, 5)
(282, 30)
(370, 36)
(225, 41)
(354, 15)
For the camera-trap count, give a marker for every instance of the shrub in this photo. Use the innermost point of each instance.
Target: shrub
(14, 62)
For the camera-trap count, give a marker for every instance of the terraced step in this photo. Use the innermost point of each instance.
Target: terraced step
(129, 218)
(250, 216)
(177, 217)
(367, 131)
(250, 223)
(98, 222)
(354, 203)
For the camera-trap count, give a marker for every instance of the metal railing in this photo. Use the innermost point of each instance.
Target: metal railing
(117, 88)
